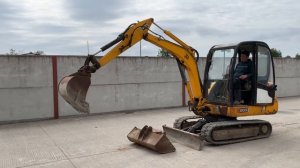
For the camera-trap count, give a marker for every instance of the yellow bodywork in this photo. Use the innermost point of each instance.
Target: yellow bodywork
(243, 110)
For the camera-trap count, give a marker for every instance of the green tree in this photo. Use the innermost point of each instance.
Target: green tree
(163, 53)
(297, 56)
(276, 53)
(39, 52)
(36, 53)
(15, 52)
(12, 52)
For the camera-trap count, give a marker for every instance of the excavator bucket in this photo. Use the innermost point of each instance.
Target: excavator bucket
(191, 140)
(74, 88)
(150, 138)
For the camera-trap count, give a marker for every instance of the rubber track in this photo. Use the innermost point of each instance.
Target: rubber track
(178, 122)
(207, 129)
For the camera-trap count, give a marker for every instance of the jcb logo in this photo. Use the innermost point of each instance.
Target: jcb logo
(243, 110)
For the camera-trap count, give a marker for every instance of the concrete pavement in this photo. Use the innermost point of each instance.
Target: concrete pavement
(100, 141)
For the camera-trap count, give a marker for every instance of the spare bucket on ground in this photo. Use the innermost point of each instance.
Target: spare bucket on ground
(150, 138)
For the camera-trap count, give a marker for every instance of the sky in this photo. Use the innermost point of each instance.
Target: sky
(64, 27)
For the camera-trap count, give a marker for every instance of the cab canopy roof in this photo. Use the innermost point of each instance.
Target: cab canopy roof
(234, 45)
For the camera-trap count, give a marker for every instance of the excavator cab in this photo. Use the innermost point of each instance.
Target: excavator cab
(219, 79)
(217, 121)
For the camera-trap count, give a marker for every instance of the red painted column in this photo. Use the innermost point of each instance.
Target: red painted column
(55, 87)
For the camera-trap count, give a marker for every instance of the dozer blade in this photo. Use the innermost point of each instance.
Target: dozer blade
(74, 88)
(191, 140)
(155, 140)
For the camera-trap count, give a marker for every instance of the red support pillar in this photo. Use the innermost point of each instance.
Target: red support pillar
(55, 87)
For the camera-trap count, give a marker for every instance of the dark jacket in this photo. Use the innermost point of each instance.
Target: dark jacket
(243, 68)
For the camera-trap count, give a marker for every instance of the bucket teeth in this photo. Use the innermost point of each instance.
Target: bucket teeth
(155, 140)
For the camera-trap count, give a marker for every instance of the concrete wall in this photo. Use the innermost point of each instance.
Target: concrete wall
(127, 83)
(287, 76)
(25, 88)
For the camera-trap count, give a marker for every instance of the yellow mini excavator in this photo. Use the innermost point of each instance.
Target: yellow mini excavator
(214, 102)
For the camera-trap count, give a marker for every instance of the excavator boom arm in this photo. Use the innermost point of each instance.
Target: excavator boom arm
(183, 53)
(133, 34)
(187, 60)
